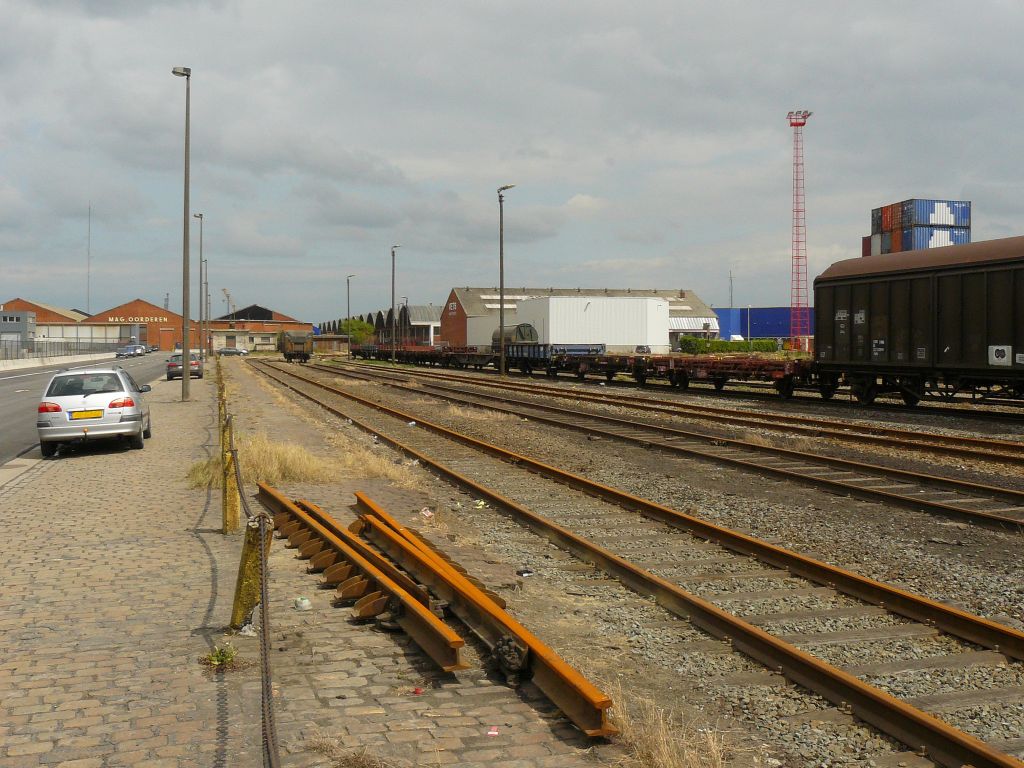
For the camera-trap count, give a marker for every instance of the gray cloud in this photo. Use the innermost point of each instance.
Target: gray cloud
(649, 142)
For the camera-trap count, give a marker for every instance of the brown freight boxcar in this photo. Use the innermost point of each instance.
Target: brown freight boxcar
(940, 321)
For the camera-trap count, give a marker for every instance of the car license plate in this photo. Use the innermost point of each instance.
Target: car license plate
(75, 415)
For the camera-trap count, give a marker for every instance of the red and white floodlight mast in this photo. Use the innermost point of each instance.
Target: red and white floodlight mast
(800, 315)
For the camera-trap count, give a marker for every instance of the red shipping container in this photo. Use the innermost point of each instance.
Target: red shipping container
(887, 218)
(897, 240)
(865, 246)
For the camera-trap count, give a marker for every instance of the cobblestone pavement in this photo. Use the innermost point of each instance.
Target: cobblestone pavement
(114, 581)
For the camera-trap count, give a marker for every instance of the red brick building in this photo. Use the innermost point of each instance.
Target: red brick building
(148, 323)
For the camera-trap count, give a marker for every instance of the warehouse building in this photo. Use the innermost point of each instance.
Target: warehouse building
(470, 315)
(253, 328)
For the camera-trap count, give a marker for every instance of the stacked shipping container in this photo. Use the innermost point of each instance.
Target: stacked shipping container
(915, 224)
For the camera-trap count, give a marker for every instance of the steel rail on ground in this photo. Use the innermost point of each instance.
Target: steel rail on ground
(943, 743)
(980, 517)
(365, 582)
(517, 649)
(932, 442)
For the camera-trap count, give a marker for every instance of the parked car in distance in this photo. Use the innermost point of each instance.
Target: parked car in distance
(232, 351)
(154, 348)
(124, 352)
(139, 349)
(195, 366)
(90, 404)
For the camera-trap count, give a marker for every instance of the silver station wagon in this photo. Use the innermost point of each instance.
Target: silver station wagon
(92, 404)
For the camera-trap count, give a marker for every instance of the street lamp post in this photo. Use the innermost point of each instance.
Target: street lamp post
(501, 277)
(201, 345)
(393, 249)
(185, 72)
(405, 303)
(348, 311)
(204, 298)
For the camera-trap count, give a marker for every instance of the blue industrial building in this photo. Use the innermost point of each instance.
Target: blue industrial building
(756, 322)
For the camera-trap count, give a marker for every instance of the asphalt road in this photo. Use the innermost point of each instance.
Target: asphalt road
(21, 390)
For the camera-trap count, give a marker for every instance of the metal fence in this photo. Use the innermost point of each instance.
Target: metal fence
(16, 350)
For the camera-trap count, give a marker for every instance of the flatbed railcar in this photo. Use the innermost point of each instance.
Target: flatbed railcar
(939, 323)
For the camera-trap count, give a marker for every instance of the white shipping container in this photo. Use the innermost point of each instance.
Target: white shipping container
(621, 323)
(876, 245)
(480, 330)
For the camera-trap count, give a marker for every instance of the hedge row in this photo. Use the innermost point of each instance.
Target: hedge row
(694, 346)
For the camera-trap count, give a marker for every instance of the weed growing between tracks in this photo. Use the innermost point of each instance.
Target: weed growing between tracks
(263, 460)
(341, 756)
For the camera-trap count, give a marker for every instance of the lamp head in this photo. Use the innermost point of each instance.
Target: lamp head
(182, 71)
(395, 246)
(197, 216)
(507, 186)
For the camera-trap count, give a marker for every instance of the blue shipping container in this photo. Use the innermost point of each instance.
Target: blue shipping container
(887, 242)
(764, 322)
(945, 213)
(918, 238)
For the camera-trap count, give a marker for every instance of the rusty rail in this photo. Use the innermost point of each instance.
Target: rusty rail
(941, 742)
(934, 442)
(978, 517)
(359, 579)
(517, 651)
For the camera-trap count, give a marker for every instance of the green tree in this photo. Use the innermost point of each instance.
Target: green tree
(358, 330)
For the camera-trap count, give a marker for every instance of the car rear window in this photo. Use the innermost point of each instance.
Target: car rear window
(84, 384)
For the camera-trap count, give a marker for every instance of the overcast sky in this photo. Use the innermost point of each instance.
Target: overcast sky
(648, 142)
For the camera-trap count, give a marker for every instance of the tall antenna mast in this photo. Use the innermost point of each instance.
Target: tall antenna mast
(800, 316)
(88, 264)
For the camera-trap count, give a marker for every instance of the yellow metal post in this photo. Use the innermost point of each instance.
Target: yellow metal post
(230, 502)
(247, 589)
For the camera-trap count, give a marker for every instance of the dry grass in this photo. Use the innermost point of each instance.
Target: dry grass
(804, 444)
(479, 414)
(658, 738)
(264, 460)
(359, 460)
(341, 756)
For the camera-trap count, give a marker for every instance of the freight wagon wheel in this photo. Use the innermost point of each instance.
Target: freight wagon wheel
(827, 391)
(910, 397)
(581, 374)
(682, 380)
(865, 393)
(719, 383)
(785, 387)
(640, 377)
(609, 375)
(551, 373)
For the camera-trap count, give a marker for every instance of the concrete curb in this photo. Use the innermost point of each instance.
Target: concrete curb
(38, 362)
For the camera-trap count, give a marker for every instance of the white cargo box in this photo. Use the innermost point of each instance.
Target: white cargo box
(621, 323)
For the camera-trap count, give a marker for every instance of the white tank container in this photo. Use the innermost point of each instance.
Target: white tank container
(621, 323)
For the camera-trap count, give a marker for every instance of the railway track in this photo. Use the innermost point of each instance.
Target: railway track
(979, 504)
(998, 411)
(781, 608)
(983, 449)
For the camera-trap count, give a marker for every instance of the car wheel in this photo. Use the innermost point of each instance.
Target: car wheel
(200, 376)
(169, 377)
(148, 431)
(48, 449)
(136, 441)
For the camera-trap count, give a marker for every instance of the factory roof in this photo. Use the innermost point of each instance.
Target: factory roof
(484, 301)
